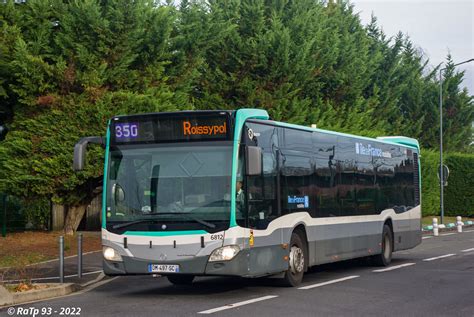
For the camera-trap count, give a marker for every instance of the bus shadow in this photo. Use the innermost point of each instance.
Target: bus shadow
(220, 285)
(206, 286)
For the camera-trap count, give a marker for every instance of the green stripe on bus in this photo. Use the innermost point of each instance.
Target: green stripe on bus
(164, 233)
(240, 117)
(104, 187)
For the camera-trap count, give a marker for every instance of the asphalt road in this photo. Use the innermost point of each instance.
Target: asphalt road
(434, 279)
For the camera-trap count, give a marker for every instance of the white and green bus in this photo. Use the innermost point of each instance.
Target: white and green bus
(234, 193)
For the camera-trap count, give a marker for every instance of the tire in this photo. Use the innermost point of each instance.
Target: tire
(297, 261)
(181, 279)
(385, 258)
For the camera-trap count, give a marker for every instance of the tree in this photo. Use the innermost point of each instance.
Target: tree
(67, 67)
(458, 110)
(82, 63)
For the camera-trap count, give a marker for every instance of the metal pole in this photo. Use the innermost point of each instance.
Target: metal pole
(79, 255)
(4, 222)
(441, 176)
(441, 170)
(61, 259)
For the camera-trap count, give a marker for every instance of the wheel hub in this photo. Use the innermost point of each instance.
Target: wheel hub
(296, 260)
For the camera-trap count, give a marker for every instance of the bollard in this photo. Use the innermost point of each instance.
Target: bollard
(435, 227)
(79, 255)
(459, 223)
(61, 259)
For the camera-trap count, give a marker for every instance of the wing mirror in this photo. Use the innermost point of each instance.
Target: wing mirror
(253, 156)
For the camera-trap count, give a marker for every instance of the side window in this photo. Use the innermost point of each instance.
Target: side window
(325, 146)
(296, 140)
(346, 165)
(384, 173)
(398, 189)
(296, 172)
(366, 193)
(388, 179)
(296, 179)
(408, 180)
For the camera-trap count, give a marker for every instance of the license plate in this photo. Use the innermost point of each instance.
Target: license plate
(163, 268)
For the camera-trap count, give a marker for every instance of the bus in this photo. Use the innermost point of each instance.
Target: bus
(234, 193)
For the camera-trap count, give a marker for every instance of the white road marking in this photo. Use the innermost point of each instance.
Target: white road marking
(468, 231)
(53, 277)
(393, 267)
(259, 299)
(447, 234)
(329, 282)
(468, 250)
(428, 237)
(439, 257)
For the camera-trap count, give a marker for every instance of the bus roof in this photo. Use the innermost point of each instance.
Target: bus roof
(399, 140)
(259, 114)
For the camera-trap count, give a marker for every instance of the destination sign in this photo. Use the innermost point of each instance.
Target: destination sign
(189, 129)
(156, 128)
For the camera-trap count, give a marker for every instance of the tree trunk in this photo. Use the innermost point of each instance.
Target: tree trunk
(73, 218)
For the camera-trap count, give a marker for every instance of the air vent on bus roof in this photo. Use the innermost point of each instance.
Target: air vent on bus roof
(403, 140)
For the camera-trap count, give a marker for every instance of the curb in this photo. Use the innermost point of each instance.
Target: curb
(56, 290)
(446, 228)
(99, 278)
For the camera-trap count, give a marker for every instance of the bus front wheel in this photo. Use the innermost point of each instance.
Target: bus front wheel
(181, 279)
(296, 259)
(384, 258)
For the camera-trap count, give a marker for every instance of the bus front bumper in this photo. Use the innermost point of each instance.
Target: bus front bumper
(238, 266)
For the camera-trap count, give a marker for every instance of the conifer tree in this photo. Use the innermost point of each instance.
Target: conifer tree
(82, 63)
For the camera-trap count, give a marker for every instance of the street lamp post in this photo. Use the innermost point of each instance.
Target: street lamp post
(441, 172)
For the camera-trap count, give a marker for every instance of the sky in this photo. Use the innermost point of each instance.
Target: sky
(436, 26)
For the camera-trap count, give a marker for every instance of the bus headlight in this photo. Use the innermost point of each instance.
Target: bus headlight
(225, 253)
(111, 255)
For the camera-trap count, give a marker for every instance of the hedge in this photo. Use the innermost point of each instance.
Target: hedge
(458, 195)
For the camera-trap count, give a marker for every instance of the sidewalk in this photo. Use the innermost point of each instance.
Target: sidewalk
(48, 272)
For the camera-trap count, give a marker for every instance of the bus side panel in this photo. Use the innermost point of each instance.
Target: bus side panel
(407, 229)
(332, 239)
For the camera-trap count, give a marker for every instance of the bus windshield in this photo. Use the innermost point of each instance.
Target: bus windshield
(169, 186)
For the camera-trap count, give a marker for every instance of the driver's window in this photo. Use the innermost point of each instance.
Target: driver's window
(240, 195)
(129, 176)
(262, 203)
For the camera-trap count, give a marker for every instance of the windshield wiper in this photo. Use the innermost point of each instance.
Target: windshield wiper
(123, 225)
(203, 222)
(189, 215)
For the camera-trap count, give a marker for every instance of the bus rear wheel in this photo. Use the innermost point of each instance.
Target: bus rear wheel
(384, 258)
(181, 279)
(297, 257)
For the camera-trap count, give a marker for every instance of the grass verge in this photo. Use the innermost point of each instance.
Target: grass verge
(426, 221)
(37, 246)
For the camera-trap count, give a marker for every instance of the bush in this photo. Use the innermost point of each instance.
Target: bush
(429, 183)
(26, 214)
(37, 213)
(458, 195)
